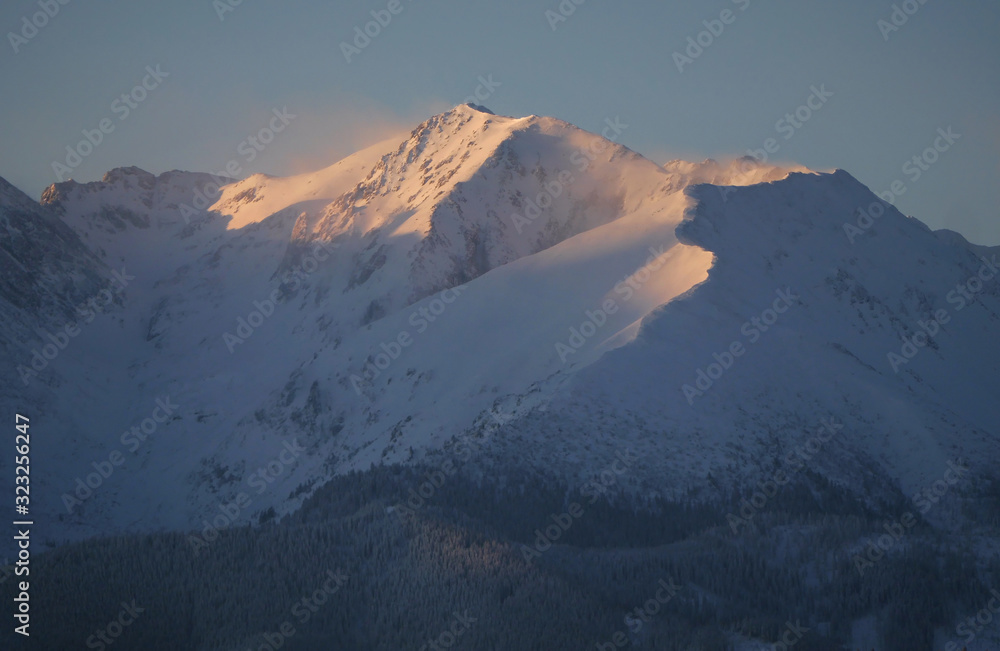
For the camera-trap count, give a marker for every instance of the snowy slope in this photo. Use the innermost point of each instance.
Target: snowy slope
(514, 277)
(46, 270)
(826, 356)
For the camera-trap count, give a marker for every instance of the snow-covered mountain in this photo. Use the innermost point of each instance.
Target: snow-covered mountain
(47, 271)
(521, 281)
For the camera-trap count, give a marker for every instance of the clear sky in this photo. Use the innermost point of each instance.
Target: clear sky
(892, 89)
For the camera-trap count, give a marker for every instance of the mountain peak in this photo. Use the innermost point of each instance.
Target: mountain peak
(477, 107)
(120, 173)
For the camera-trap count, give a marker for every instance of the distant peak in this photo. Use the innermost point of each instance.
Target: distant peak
(122, 172)
(127, 177)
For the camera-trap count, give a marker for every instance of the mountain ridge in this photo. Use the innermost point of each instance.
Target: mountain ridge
(280, 313)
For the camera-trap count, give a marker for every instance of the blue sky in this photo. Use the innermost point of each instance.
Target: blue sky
(891, 90)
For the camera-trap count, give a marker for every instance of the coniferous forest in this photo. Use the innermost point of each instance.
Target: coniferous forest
(480, 565)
